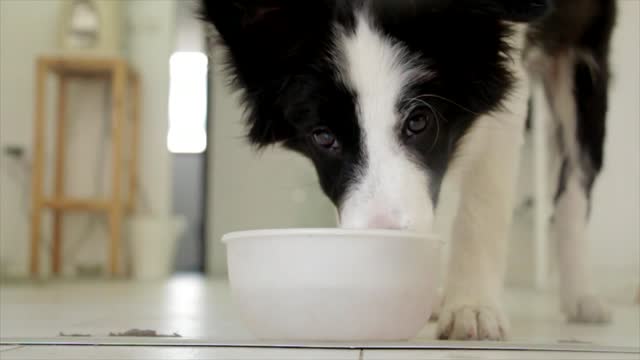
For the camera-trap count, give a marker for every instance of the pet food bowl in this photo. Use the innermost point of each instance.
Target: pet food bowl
(333, 284)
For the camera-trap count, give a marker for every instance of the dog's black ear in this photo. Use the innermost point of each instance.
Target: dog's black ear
(265, 36)
(264, 40)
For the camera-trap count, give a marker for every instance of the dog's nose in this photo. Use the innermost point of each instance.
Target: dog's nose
(382, 221)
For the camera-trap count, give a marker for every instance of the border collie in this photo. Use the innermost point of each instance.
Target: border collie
(392, 99)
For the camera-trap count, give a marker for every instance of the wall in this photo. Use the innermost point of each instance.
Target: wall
(28, 29)
(614, 231)
(151, 43)
(16, 102)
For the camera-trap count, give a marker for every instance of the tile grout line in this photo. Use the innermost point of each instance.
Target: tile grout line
(4, 351)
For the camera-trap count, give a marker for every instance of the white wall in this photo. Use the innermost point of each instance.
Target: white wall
(16, 103)
(28, 29)
(151, 26)
(614, 231)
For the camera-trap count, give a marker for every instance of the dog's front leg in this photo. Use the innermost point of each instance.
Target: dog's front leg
(472, 301)
(485, 168)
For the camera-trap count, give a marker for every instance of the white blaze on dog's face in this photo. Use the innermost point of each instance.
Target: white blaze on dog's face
(390, 189)
(378, 100)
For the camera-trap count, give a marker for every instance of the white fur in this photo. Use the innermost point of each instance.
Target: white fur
(579, 301)
(479, 236)
(390, 191)
(559, 82)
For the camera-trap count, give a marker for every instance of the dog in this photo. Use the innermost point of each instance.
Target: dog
(392, 100)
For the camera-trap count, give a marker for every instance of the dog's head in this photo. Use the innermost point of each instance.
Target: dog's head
(377, 96)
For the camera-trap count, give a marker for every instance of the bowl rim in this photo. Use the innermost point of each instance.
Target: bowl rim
(289, 232)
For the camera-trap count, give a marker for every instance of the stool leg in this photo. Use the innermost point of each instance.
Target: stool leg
(37, 173)
(135, 140)
(59, 175)
(115, 213)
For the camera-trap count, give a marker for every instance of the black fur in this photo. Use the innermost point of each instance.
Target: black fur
(510, 10)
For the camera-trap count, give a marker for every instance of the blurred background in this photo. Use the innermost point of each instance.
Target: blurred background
(196, 178)
(194, 167)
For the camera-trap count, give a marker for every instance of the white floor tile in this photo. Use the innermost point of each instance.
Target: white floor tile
(489, 355)
(191, 307)
(169, 353)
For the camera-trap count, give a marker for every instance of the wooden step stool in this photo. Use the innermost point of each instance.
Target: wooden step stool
(121, 76)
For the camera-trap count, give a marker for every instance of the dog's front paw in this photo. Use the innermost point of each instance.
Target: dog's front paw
(587, 309)
(472, 322)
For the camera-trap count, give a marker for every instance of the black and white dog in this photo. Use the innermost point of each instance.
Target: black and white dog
(392, 99)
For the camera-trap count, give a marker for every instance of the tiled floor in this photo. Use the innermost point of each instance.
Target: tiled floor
(493, 355)
(159, 353)
(201, 312)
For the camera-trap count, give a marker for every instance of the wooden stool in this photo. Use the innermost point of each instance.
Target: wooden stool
(120, 75)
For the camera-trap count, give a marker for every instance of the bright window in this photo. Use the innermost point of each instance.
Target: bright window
(188, 103)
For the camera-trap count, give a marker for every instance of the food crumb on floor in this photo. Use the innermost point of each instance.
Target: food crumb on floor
(73, 335)
(143, 333)
(573, 341)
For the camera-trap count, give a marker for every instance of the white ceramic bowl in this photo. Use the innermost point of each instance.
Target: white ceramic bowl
(333, 284)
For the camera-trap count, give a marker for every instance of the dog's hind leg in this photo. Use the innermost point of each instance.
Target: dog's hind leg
(568, 51)
(576, 88)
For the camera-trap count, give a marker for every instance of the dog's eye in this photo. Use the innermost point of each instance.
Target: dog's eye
(324, 138)
(416, 124)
